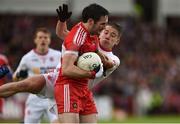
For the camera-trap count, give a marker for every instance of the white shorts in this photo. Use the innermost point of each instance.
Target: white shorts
(36, 107)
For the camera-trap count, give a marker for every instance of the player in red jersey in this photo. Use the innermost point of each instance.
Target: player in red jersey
(109, 37)
(4, 70)
(74, 99)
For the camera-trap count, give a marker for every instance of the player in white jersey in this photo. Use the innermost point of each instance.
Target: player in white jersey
(40, 60)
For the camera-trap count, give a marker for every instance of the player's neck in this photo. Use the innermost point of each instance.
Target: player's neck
(87, 26)
(41, 51)
(104, 48)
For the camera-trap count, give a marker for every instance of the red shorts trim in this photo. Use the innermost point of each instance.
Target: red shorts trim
(73, 99)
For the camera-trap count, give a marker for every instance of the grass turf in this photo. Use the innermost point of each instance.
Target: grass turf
(146, 119)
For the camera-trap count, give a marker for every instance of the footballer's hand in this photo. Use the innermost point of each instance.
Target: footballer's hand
(107, 63)
(63, 13)
(22, 74)
(3, 71)
(98, 71)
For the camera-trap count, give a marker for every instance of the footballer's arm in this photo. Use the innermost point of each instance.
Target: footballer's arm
(69, 69)
(61, 30)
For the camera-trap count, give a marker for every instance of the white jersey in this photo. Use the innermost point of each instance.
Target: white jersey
(116, 62)
(39, 64)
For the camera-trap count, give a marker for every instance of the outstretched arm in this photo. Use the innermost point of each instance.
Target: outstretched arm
(32, 85)
(61, 30)
(63, 15)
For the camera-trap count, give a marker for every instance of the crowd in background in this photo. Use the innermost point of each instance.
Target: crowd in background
(146, 82)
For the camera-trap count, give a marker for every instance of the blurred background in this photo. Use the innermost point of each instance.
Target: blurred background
(146, 84)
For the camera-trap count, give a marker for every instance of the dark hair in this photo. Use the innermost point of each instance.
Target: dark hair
(116, 26)
(42, 29)
(93, 11)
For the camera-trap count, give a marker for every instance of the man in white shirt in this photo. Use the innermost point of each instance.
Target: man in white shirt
(40, 60)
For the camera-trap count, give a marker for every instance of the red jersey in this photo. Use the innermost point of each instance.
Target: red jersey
(77, 42)
(3, 61)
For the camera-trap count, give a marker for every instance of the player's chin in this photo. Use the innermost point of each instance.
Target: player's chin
(106, 42)
(44, 45)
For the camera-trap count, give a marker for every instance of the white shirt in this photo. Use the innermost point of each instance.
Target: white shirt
(39, 64)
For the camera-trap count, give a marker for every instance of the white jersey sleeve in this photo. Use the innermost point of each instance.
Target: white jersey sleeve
(94, 82)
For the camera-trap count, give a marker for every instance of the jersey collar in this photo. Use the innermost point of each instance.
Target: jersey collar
(81, 24)
(42, 54)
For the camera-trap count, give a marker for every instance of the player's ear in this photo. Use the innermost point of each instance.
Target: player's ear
(35, 40)
(118, 40)
(49, 41)
(91, 21)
